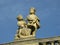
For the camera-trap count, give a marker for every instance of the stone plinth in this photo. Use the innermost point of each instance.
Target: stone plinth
(23, 41)
(34, 41)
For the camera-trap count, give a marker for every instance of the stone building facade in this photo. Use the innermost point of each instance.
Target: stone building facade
(34, 41)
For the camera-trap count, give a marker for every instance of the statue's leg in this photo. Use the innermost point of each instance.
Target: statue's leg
(16, 36)
(34, 32)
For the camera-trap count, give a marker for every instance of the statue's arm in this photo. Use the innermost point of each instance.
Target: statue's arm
(38, 19)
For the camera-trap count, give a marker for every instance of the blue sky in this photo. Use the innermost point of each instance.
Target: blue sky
(48, 12)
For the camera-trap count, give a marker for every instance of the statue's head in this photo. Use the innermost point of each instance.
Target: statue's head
(19, 17)
(32, 10)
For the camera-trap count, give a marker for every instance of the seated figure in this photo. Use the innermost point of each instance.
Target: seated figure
(22, 31)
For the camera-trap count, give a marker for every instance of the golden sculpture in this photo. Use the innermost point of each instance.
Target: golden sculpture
(29, 28)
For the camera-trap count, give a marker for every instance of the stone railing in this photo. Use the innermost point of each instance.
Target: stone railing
(34, 41)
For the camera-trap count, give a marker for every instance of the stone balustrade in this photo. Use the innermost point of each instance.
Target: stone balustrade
(34, 41)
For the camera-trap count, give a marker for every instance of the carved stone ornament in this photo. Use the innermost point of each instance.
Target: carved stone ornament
(29, 27)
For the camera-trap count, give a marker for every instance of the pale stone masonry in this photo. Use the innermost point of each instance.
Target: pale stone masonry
(34, 41)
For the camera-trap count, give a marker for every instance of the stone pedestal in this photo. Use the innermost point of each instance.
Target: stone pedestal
(26, 41)
(27, 44)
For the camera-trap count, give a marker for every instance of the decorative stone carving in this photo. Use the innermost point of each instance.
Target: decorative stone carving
(29, 28)
(33, 21)
(21, 23)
